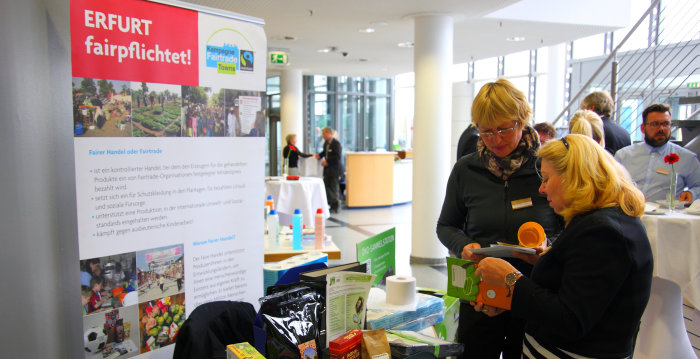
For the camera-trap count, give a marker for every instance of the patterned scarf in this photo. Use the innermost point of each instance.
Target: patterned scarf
(506, 166)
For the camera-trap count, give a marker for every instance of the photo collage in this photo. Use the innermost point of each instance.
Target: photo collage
(110, 108)
(132, 302)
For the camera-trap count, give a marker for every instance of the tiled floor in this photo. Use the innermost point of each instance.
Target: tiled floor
(353, 225)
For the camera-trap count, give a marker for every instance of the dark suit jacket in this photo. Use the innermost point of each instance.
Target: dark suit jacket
(333, 158)
(616, 137)
(467, 141)
(587, 294)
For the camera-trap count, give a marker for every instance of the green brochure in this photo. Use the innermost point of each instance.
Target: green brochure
(379, 253)
(461, 281)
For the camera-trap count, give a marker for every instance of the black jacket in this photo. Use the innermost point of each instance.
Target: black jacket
(587, 294)
(333, 158)
(292, 156)
(616, 137)
(478, 207)
(467, 141)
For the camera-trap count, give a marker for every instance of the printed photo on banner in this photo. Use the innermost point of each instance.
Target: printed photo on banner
(160, 320)
(108, 282)
(156, 110)
(101, 108)
(204, 111)
(161, 272)
(112, 334)
(245, 113)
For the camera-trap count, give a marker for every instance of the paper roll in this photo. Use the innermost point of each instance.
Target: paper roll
(400, 290)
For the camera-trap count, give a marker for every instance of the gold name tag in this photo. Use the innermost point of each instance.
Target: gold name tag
(521, 203)
(662, 171)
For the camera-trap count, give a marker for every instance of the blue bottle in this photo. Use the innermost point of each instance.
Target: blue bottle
(297, 226)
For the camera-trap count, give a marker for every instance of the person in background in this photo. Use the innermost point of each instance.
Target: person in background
(467, 141)
(601, 103)
(586, 295)
(588, 123)
(645, 160)
(490, 194)
(332, 155)
(546, 131)
(291, 154)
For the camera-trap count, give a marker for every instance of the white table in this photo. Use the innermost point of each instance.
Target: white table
(307, 194)
(675, 244)
(310, 167)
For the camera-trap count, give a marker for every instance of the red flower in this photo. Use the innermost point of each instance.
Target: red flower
(291, 147)
(671, 158)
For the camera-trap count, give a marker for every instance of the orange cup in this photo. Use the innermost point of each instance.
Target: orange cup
(531, 235)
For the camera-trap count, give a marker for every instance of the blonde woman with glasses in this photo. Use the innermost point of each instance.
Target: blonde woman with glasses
(489, 194)
(586, 295)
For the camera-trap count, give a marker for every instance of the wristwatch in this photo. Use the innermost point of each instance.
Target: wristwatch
(512, 277)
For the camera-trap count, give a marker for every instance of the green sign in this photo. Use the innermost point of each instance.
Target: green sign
(279, 58)
(693, 85)
(379, 252)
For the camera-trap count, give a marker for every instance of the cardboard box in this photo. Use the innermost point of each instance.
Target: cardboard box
(241, 351)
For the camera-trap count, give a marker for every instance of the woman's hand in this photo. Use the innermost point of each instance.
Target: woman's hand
(531, 258)
(468, 255)
(493, 271)
(487, 309)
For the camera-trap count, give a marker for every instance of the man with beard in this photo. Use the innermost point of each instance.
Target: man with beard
(645, 160)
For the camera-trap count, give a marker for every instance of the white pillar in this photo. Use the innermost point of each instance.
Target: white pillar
(292, 105)
(462, 95)
(556, 76)
(432, 130)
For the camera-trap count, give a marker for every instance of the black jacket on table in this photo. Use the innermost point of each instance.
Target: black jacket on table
(616, 137)
(586, 295)
(478, 207)
(333, 156)
(292, 155)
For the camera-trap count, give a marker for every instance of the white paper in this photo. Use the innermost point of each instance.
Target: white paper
(346, 300)
(500, 251)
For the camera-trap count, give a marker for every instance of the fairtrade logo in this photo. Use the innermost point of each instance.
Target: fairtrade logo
(247, 60)
(227, 58)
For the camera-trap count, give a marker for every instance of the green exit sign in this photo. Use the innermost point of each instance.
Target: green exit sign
(693, 85)
(279, 58)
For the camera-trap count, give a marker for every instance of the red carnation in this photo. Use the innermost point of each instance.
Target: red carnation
(671, 158)
(291, 147)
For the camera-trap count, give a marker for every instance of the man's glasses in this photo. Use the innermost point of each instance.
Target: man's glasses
(503, 132)
(654, 124)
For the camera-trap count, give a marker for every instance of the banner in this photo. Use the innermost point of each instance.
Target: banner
(169, 126)
(379, 253)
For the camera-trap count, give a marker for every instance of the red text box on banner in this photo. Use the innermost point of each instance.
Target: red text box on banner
(134, 41)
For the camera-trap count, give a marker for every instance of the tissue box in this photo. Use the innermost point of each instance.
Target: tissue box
(272, 272)
(447, 328)
(416, 320)
(242, 350)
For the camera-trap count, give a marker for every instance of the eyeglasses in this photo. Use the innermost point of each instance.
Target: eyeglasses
(503, 132)
(654, 124)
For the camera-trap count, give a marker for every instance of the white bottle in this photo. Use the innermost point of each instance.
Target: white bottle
(273, 229)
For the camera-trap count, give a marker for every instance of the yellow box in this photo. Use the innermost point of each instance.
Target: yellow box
(242, 351)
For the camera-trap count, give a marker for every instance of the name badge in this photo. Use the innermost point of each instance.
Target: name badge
(521, 203)
(662, 171)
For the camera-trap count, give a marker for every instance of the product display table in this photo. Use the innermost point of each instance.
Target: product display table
(675, 243)
(284, 249)
(307, 194)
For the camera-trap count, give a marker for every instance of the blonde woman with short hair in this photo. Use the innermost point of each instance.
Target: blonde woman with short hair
(291, 155)
(490, 193)
(587, 122)
(587, 293)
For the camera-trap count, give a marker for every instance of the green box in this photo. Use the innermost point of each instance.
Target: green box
(242, 350)
(461, 281)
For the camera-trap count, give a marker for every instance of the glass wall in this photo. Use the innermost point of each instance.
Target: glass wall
(359, 109)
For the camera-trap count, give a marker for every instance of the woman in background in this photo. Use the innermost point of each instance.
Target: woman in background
(587, 122)
(291, 155)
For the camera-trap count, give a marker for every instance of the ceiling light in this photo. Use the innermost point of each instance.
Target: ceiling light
(363, 60)
(328, 49)
(366, 30)
(324, 50)
(406, 44)
(515, 38)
